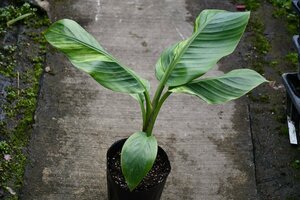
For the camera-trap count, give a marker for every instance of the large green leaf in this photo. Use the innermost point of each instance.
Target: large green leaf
(224, 88)
(137, 158)
(216, 34)
(85, 53)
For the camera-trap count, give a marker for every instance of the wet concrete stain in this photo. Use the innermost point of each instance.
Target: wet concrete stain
(234, 150)
(183, 186)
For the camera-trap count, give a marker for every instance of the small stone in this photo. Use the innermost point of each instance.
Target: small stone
(7, 157)
(47, 69)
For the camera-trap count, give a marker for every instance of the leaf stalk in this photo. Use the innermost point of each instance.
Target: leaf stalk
(154, 114)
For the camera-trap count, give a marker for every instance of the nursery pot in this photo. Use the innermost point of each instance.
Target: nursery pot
(117, 191)
(291, 83)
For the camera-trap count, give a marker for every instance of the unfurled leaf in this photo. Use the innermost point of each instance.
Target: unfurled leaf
(85, 53)
(224, 88)
(137, 158)
(216, 34)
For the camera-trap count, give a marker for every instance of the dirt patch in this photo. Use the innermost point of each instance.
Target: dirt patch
(276, 177)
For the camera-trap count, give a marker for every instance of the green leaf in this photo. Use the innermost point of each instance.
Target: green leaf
(216, 34)
(85, 53)
(137, 158)
(221, 89)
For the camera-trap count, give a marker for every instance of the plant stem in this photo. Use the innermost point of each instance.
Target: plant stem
(148, 109)
(143, 113)
(154, 114)
(157, 101)
(158, 92)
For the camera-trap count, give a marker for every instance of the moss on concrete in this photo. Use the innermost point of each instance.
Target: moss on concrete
(21, 65)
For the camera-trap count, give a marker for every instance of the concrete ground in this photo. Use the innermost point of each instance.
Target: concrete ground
(210, 147)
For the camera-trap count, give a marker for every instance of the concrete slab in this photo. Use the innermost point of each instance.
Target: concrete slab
(209, 146)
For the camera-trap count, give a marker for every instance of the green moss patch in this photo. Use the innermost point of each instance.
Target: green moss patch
(22, 58)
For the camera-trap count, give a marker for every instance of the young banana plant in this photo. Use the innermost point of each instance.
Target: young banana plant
(179, 70)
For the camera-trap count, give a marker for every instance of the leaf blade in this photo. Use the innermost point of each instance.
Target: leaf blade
(216, 34)
(137, 157)
(224, 88)
(85, 53)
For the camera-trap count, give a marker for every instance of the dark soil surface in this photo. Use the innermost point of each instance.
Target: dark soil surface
(276, 168)
(157, 174)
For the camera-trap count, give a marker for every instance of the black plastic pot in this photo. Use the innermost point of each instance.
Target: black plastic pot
(115, 192)
(296, 6)
(291, 83)
(296, 41)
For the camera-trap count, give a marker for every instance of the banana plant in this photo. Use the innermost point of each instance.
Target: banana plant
(178, 70)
